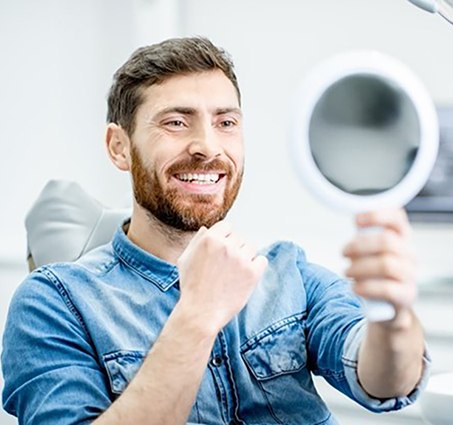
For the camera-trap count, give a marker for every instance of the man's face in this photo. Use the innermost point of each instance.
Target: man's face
(187, 150)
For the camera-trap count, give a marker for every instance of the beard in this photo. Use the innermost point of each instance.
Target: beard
(182, 211)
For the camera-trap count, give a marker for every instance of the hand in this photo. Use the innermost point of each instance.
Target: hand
(383, 263)
(218, 273)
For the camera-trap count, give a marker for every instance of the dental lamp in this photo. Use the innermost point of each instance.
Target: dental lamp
(443, 7)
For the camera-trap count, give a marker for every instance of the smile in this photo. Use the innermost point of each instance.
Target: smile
(199, 178)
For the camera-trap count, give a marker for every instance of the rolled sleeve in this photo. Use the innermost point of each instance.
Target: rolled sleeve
(350, 361)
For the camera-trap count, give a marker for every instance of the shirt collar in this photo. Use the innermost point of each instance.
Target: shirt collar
(159, 272)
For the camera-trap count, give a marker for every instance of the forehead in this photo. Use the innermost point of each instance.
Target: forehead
(211, 89)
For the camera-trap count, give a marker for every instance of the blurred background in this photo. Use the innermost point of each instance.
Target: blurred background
(57, 62)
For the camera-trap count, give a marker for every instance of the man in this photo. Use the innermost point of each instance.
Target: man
(179, 319)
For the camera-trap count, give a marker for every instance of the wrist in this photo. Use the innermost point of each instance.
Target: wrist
(394, 332)
(195, 321)
(404, 320)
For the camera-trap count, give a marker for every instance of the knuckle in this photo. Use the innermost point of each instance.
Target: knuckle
(387, 240)
(231, 252)
(390, 291)
(211, 241)
(387, 265)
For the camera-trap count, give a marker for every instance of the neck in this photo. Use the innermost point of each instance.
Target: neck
(155, 237)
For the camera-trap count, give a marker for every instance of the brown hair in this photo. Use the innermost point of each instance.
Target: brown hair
(154, 64)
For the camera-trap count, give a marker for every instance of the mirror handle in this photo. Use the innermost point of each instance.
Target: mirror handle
(376, 310)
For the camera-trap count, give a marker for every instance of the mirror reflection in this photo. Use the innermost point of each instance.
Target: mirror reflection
(364, 134)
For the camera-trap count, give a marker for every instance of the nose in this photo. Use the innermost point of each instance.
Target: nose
(204, 142)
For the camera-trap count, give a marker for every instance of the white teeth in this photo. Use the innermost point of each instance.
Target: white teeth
(199, 178)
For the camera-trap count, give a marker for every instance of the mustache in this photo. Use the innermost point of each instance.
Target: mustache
(200, 165)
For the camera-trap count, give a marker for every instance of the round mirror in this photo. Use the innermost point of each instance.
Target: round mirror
(364, 125)
(365, 134)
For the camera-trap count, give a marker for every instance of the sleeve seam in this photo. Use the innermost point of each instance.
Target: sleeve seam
(64, 295)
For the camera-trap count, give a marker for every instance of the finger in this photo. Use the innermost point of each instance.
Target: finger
(382, 267)
(248, 251)
(201, 231)
(221, 229)
(386, 241)
(235, 240)
(395, 219)
(260, 263)
(397, 293)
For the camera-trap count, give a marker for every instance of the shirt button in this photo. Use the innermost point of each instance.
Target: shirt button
(216, 361)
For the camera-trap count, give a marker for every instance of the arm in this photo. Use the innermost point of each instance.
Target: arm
(218, 273)
(382, 267)
(52, 372)
(165, 387)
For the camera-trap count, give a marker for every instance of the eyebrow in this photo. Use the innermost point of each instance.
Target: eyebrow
(193, 111)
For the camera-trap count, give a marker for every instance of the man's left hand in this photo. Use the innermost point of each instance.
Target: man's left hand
(383, 262)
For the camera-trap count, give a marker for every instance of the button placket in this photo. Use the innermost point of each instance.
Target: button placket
(217, 361)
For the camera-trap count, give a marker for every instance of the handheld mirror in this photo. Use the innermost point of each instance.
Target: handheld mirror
(365, 137)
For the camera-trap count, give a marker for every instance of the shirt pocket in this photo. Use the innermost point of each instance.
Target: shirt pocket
(277, 350)
(121, 367)
(277, 360)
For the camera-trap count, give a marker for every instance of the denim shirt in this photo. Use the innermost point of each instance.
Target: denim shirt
(77, 333)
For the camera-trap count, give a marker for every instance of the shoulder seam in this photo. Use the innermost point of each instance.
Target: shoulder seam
(51, 276)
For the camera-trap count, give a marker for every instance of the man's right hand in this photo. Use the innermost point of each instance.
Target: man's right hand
(218, 273)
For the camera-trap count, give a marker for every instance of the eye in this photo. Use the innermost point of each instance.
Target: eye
(175, 123)
(227, 123)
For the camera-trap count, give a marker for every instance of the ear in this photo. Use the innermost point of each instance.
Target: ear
(118, 146)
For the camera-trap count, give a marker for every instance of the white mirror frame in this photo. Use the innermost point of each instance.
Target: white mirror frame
(369, 63)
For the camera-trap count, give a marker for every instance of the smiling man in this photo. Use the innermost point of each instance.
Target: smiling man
(179, 319)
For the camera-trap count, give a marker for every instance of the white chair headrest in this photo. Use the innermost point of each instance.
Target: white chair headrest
(65, 222)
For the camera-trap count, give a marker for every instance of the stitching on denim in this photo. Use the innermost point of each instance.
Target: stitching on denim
(113, 355)
(163, 284)
(65, 296)
(255, 339)
(222, 390)
(269, 404)
(109, 266)
(277, 374)
(230, 374)
(254, 342)
(349, 362)
(217, 390)
(325, 420)
(328, 372)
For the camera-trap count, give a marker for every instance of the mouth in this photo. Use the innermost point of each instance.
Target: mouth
(200, 178)
(201, 183)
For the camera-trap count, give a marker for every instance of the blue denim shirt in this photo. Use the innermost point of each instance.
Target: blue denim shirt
(77, 333)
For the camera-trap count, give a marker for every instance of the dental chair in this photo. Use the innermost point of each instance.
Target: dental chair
(65, 222)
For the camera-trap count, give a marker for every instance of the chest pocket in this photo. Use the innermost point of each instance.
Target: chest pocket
(121, 367)
(277, 361)
(277, 350)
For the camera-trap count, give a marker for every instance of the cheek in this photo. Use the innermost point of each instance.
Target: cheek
(236, 155)
(233, 148)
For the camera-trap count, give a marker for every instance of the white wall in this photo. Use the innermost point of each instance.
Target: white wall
(58, 58)
(57, 61)
(274, 44)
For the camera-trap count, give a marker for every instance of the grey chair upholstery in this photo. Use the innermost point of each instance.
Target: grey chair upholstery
(65, 222)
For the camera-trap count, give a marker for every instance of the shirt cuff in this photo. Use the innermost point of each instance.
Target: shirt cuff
(350, 357)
